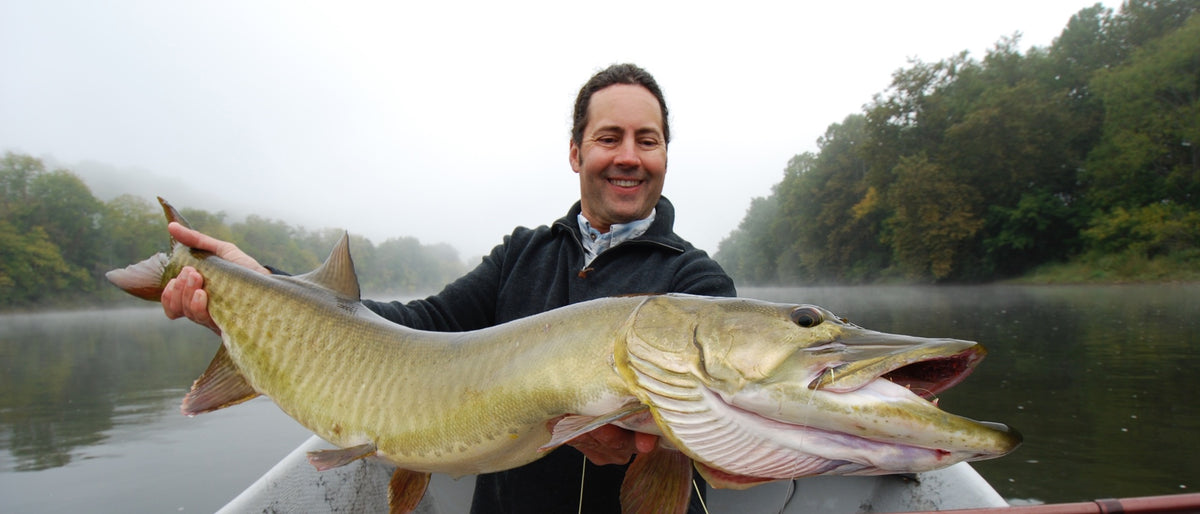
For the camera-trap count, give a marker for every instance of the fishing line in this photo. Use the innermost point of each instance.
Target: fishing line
(582, 474)
(791, 492)
(700, 496)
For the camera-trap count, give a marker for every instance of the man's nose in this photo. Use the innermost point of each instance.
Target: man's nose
(627, 154)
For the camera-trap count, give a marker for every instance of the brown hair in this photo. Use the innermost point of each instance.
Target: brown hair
(616, 74)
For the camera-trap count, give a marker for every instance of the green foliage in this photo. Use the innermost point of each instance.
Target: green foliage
(134, 229)
(47, 243)
(32, 268)
(933, 217)
(1151, 230)
(968, 170)
(273, 242)
(57, 240)
(1150, 149)
(749, 248)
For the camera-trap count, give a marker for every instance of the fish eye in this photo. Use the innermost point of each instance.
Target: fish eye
(807, 317)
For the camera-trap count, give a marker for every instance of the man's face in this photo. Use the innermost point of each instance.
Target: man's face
(622, 160)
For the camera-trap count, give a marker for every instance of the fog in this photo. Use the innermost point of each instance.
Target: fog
(449, 121)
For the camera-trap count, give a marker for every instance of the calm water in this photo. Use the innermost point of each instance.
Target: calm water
(90, 422)
(1101, 380)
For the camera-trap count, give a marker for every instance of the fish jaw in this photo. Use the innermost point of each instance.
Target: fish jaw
(769, 398)
(881, 428)
(895, 429)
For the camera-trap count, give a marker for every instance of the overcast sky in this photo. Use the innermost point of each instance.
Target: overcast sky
(449, 121)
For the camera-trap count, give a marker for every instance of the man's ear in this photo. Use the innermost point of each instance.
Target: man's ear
(573, 156)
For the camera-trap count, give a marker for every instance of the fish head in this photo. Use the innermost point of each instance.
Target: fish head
(756, 391)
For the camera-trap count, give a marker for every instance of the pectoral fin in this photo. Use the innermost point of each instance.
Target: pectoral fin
(570, 427)
(220, 386)
(329, 459)
(657, 482)
(406, 490)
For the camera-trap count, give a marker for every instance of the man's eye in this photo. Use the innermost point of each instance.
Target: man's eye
(649, 143)
(607, 140)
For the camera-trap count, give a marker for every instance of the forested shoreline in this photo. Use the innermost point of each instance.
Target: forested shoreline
(57, 240)
(1075, 162)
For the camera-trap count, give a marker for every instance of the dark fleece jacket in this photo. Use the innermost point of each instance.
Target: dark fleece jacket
(536, 270)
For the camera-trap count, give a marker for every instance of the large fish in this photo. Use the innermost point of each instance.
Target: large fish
(744, 390)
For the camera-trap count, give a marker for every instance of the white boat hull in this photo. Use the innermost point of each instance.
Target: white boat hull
(294, 486)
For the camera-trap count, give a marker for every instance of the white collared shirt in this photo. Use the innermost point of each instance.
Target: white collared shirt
(595, 243)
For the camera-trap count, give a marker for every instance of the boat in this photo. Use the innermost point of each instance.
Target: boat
(293, 485)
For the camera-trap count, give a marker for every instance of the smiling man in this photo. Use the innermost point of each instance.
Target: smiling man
(620, 156)
(617, 239)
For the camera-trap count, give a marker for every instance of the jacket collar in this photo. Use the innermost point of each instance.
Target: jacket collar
(661, 231)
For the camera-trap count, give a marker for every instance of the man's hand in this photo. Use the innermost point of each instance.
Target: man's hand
(184, 295)
(611, 444)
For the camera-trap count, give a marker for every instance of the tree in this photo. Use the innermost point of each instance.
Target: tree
(51, 241)
(275, 243)
(1016, 148)
(747, 254)
(1148, 152)
(1087, 44)
(64, 207)
(934, 217)
(16, 173)
(32, 269)
(133, 229)
(825, 240)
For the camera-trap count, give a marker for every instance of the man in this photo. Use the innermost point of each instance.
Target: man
(618, 239)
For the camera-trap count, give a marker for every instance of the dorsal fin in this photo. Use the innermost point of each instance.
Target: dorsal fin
(173, 214)
(337, 272)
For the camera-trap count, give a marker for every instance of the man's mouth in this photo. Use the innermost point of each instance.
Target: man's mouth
(624, 182)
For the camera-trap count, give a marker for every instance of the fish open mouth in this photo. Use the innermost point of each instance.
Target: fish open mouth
(929, 378)
(925, 372)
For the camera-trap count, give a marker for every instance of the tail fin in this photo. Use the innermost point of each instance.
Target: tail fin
(145, 279)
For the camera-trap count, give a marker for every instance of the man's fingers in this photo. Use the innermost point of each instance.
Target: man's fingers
(599, 453)
(645, 443)
(170, 300)
(199, 310)
(185, 235)
(184, 296)
(607, 444)
(223, 249)
(613, 437)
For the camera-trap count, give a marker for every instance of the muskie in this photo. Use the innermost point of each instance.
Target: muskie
(744, 390)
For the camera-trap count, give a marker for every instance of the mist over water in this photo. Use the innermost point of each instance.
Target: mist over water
(1100, 380)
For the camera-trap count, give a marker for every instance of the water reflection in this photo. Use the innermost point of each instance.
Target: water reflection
(69, 378)
(89, 416)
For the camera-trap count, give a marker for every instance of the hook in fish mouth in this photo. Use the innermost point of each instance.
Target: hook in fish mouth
(926, 371)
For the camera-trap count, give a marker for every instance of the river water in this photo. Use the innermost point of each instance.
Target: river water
(1101, 380)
